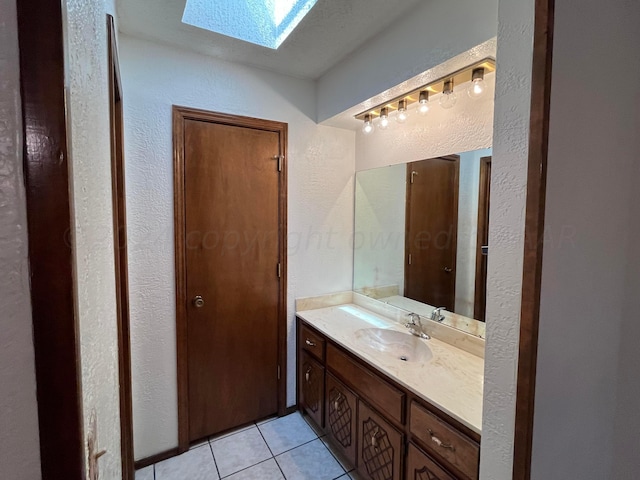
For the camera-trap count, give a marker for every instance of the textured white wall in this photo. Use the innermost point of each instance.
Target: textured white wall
(90, 160)
(586, 377)
(506, 235)
(378, 246)
(467, 126)
(321, 165)
(434, 32)
(19, 440)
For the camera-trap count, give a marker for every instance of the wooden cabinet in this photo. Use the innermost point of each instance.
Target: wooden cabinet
(378, 425)
(421, 467)
(341, 412)
(379, 446)
(311, 390)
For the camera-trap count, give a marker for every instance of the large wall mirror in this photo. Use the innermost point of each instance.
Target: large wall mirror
(421, 236)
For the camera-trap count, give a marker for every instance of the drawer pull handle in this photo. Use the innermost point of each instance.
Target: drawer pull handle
(337, 402)
(374, 439)
(308, 374)
(310, 343)
(438, 442)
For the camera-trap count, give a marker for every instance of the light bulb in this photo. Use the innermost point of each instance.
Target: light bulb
(402, 115)
(448, 99)
(423, 107)
(477, 87)
(384, 118)
(367, 128)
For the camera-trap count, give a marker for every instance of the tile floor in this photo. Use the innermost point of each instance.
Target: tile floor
(275, 449)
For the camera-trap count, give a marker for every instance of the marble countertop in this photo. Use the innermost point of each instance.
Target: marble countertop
(452, 380)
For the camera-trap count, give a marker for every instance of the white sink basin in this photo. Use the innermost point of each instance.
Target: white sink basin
(391, 343)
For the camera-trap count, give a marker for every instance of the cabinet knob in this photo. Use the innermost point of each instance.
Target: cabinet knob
(310, 343)
(198, 301)
(308, 374)
(337, 402)
(374, 439)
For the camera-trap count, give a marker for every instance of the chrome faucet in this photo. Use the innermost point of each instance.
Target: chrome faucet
(436, 314)
(415, 326)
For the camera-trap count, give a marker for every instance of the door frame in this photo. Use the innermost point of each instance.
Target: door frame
(180, 115)
(120, 252)
(484, 199)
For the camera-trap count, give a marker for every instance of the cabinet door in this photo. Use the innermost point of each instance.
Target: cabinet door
(340, 408)
(312, 388)
(421, 467)
(379, 446)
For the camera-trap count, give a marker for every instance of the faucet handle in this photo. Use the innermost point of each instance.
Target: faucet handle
(437, 315)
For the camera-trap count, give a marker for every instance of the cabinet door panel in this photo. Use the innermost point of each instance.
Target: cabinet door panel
(379, 446)
(312, 389)
(340, 408)
(421, 467)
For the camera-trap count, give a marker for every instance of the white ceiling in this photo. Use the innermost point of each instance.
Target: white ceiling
(330, 31)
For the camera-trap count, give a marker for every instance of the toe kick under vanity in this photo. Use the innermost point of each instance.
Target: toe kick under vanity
(394, 405)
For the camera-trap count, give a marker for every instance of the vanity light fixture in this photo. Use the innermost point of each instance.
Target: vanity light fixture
(384, 118)
(402, 115)
(471, 77)
(448, 98)
(424, 102)
(367, 128)
(477, 87)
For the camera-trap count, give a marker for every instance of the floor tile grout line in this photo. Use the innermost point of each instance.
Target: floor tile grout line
(214, 460)
(272, 455)
(251, 466)
(344, 470)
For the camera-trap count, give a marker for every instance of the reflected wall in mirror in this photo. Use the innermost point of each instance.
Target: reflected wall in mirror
(421, 232)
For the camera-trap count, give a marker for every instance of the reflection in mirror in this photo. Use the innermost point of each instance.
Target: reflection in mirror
(421, 232)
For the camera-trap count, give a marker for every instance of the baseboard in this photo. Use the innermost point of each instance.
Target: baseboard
(291, 409)
(158, 457)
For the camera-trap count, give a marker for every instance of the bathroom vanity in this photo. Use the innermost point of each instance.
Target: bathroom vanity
(394, 405)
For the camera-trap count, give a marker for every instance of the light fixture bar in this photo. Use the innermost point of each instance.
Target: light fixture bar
(459, 77)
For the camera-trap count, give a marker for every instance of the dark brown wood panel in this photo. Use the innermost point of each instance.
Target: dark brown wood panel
(312, 342)
(311, 385)
(443, 442)
(46, 171)
(534, 235)
(484, 199)
(341, 412)
(421, 467)
(386, 397)
(432, 231)
(181, 115)
(380, 446)
(232, 253)
(121, 254)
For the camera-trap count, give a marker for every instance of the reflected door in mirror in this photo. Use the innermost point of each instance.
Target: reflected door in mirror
(432, 231)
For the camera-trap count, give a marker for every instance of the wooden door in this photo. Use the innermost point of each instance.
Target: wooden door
(233, 264)
(311, 381)
(379, 446)
(480, 301)
(432, 231)
(340, 408)
(421, 467)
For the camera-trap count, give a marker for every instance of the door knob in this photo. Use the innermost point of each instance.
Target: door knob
(448, 269)
(198, 301)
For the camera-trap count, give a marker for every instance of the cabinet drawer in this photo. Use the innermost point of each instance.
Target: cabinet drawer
(311, 388)
(444, 442)
(340, 408)
(369, 385)
(312, 342)
(380, 446)
(421, 467)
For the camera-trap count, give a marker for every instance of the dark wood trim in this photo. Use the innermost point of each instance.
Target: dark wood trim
(180, 114)
(121, 254)
(480, 290)
(46, 169)
(158, 457)
(534, 235)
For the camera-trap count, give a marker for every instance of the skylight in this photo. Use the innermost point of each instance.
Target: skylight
(264, 22)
